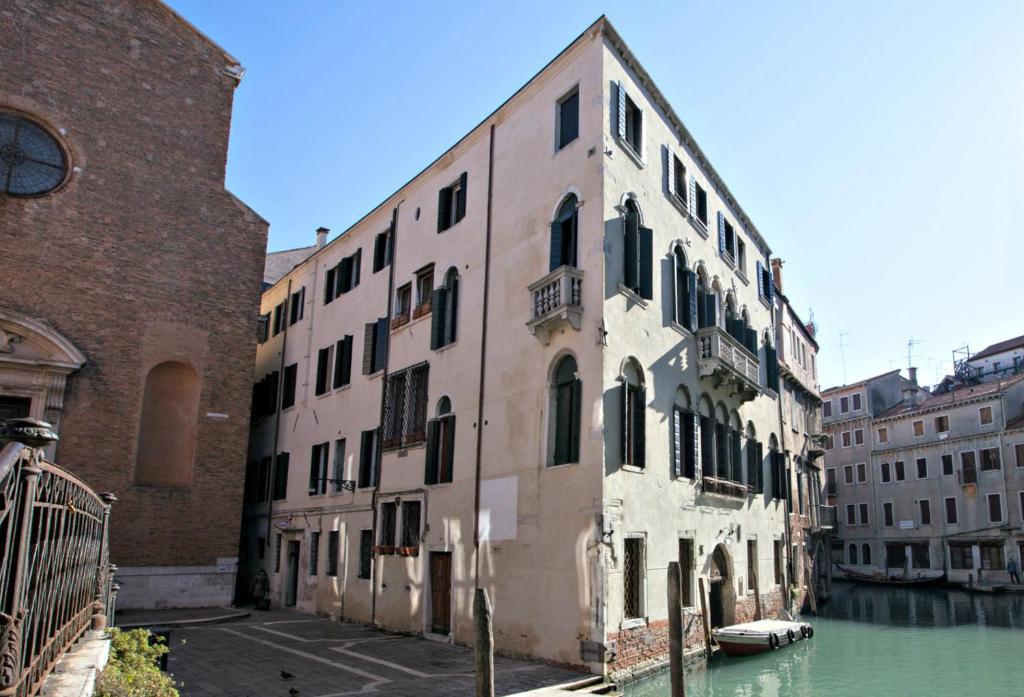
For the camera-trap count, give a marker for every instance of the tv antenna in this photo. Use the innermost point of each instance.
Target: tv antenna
(911, 343)
(842, 352)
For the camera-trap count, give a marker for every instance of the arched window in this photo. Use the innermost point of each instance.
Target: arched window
(777, 467)
(755, 456)
(684, 288)
(444, 304)
(706, 303)
(634, 412)
(31, 161)
(771, 364)
(866, 556)
(638, 253)
(707, 438)
(684, 436)
(441, 444)
(722, 450)
(852, 552)
(168, 427)
(564, 234)
(567, 395)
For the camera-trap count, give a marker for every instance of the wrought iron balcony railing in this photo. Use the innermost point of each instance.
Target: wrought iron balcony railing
(721, 356)
(555, 301)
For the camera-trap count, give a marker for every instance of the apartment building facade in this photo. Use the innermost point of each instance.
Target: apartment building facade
(546, 367)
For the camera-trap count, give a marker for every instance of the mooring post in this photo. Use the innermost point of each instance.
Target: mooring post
(484, 648)
(676, 640)
(810, 591)
(707, 620)
(757, 598)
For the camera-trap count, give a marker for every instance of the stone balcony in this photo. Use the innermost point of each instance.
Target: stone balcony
(717, 486)
(722, 357)
(555, 302)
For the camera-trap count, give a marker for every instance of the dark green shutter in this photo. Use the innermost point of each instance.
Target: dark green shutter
(329, 286)
(556, 246)
(702, 308)
(737, 457)
(645, 263)
(437, 317)
(448, 450)
(691, 301)
(430, 477)
(639, 422)
(631, 270)
(378, 251)
(368, 344)
(690, 422)
(620, 111)
(574, 421)
(451, 309)
(707, 446)
(624, 430)
(760, 468)
(357, 259)
(677, 443)
(323, 355)
(460, 199)
(444, 211)
(381, 348)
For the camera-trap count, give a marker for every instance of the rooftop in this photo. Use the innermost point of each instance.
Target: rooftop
(964, 393)
(859, 383)
(1000, 347)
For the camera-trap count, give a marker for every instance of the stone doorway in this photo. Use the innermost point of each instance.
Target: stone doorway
(722, 593)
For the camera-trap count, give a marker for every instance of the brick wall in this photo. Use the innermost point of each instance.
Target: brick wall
(141, 257)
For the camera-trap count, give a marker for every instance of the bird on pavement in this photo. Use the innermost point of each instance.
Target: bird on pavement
(292, 691)
(286, 675)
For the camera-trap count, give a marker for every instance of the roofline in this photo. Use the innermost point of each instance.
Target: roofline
(292, 249)
(859, 384)
(800, 322)
(988, 350)
(213, 44)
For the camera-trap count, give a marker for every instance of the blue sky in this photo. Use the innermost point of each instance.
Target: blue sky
(878, 146)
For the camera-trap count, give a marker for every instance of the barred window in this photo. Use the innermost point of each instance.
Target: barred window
(405, 407)
(410, 523)
(388, 516)
(314, 553)
(333, 544)
(277, 554)
(632, 577)
(365, 553)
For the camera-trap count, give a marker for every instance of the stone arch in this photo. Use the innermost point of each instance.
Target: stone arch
(168, 426)
(682, 398)
(631, 371)
(722, 592)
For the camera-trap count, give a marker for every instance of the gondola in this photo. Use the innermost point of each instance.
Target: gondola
(879, 579)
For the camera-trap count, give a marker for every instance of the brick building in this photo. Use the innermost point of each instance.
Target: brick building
(118, 323)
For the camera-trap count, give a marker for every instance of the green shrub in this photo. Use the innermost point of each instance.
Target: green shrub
(132, 670)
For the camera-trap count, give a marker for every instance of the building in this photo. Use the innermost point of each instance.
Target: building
(118, 324)
(546, 367)
(941, 487)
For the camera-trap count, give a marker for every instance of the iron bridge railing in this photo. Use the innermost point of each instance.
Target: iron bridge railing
(56, 579)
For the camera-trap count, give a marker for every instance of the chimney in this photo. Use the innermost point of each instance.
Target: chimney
(913, 376)
(321, 237)
(811, 329)
(910, 391)
(777, 273)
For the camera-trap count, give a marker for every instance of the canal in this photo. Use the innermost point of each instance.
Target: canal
(873, 641)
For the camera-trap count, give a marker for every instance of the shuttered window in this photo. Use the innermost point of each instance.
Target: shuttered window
(567, 396)
(365, 553)
(382, 250)
(291, 374)
(568, 118)
(375, 342)
(368, 459)
(410, 536)
(338, 474)
(333, 549)
(297, 306)
(684, 289)
(753, 465)
(440, 456)
(629, 120)
(279, 318)
(951, 516)
(638, 254)
(445, 302)
(343, 362)
(280, 491)
(318, 469)
(323, 369)
(563, 235)
(684, 443)
(343, 277)
(388, 523)
(707, 446)
(634, 401)
(451, 203)
(405, 408)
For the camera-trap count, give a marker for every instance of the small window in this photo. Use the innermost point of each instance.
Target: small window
(567, 395)
(424, 289)
(777, 553)
(961, 556)
(848, 474)
(375, 344)
(990, 459)
(995, 508)
(844, 405)
(365, 553)
(947, 465)
(368, 459)
(444, 312)
(858, 436)
(686, 565)
(568, 118)
(846, 439)
(851, 514)
(323, 369)
(382, 251)
(852, 554)
(297, 306)
(901, 474)
(343, 277)
(333, 549)
(291, 374)
(887, 514)
(388, 523)
(314, 553)
(451, 203)
(403, 305)
(277, 553)
(968, 467)
(992, 557)
(638, 253)
(634, 408)
(857, 402)
(862, 472)
(951, 516)
(31, 161)
(918, 429)
(630, 118)
(563, 235)
(942, 424)
(1019, 451)
(924, 507)
(677, 178)
(263, 329)
(700, 204)
(405, 407)
(343, 362)
(279, 318)
(922, 468)
(985, 415)
(751, 563)
(410, 524)
(826, 408)
(863, 513)
(886, 476)
(338, 474)
(883, 435)
(281, 462)
(632, 577)
(318, 469)
(440, 457)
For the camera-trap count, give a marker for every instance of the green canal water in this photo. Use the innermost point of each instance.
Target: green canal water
(873, 641)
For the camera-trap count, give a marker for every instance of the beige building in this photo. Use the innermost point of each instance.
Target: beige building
(545, 366)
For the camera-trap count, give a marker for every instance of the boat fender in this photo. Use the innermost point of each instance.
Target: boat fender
(805, 631)
(773, 641)
(790, 635)
(810, 631)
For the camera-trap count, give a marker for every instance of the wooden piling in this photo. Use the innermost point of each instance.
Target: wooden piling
(758, 614)
(707, 620)
(676, 640)
(484, 648)
(810, 591)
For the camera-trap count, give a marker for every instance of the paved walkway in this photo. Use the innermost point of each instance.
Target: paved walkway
(330, 659)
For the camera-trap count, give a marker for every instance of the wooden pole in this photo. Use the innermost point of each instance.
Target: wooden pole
(484, 649)
(757, 598)
(676, 640)
(707, 620)
(810, 591)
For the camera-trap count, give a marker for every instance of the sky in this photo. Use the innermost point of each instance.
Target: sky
(877, 146)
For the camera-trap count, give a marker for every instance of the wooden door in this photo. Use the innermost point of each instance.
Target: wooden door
(292, 581)
(440, 592)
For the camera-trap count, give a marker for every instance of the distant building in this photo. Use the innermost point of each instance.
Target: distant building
(130, 279)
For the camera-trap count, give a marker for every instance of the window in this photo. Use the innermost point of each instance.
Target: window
(961, 556)
(564, 231)
(168, 425)
(699, 204)
(567, 395)
(685, 297)
(918, 429)
(741, 255)
(830, 481)
(947, 465)
(634, 402)
(632, 577)
(440, 457)
(445, 303)
(951, 516)
(277, 554)
(901, 475)
(410, 524)
(375, 345)
(280, 491)
(297, 307)
(451, 203)
(857, 402)
(846, 439)
(886, 476)
(318, 469)
(924, 507)
(343, 277)
(887, 515)
(863, 513)
(279, 318)
(844, 405)
(338, 474)
(830, 443)
(630, 122)
(852, 553)
(333, 548)
(264, 395)
(343, 362)
(989, 459)
(1020, 496)
(31, 161)
(851, 514)
(985, 415)
(826, 408)
(754, 459)
(727, 239)
(766, 292)
(777, 462)
(968, 467)
(568, 125)
(751, 563)
(424, 291)
(675, 177)
(922, 468)
(323, 369)
(848, 474)
(365, 553)
(858, 436)
(995, 508)
(403, 306)
(638, 257)
(862, 472)
(388, 524)
(314, 553)
(686, 570)
(920, 556)
(263, 330)
(382, 250)
(1019, 451)
(883, 435)
(942, 424)
(777, 553)
(291, 374)
(992, 556)
(368, 459)
(405, 407)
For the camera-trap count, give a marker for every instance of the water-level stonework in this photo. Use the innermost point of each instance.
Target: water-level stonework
(872, 641)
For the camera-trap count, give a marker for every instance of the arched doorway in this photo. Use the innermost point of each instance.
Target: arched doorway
(722, 593)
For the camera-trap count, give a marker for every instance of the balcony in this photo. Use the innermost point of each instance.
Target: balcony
(555, 302)
(723, 487)
(827, 517)
(721, 356)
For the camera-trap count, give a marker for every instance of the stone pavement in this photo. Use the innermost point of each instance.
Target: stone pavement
(330, 659)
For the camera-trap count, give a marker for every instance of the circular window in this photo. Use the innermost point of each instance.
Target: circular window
(31, 161)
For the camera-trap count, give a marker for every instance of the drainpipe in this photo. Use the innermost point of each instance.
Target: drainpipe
(789, 495)
(483, 364)
(383, 394)
(277, 413)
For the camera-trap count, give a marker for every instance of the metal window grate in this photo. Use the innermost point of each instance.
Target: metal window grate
(632, 567)
(388, 514)
(365, 553)
(314, 553)
(410, 524)
(405, 407)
